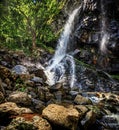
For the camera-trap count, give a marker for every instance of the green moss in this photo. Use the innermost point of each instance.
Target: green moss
(115, 76)
(85, 65)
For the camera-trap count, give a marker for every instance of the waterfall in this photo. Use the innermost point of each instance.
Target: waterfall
(104, 33)
(84, 4)
(61, 61)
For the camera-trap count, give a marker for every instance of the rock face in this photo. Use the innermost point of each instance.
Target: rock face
(67, 117)
(87, 33)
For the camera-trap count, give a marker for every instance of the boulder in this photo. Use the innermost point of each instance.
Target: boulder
(1, 97)
(5, 72)
(81, 109)
(89, 119)
(80, 100)
(38, 105)
(20, 98)
(2, 87)
(12, 109)
(20, 69)
(37, 80)
(60, 115)
(39, 73)
(29, 122)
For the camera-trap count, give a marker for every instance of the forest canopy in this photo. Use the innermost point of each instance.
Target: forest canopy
(27, 23)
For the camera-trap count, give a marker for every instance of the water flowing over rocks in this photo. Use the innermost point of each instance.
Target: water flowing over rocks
(81, 107)
(87, 33)
(28, 102)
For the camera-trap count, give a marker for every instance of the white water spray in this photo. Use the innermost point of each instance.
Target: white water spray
(104, 34)
(72, 71)
(63, 41)
(84, 4)
(59, 63)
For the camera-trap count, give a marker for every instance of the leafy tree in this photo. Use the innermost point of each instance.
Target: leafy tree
(28, 21)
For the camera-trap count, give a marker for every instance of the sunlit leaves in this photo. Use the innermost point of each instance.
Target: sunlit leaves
(29, 20)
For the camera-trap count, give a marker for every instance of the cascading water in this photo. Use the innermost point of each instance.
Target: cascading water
(104, 33)
(61, 61)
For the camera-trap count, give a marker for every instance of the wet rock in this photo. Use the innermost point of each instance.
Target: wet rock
(74, 93)
(29, 122)
(12, 109)
(44, 94)
(20, 98)
(41, 94)
(59, 115)
(5, 72)
(1, 97)
(29, 83)
(8, 82)
(82, 100)
(39, 73)
(97, 109)
(33, 94)
(52, 101)
(110, 121)
(109, 98)
(38, 105)
(31, 90)
(37, 80)
(2, 87)
(24, 77)
(89, 119)
(48, 96)
(20, 69)
(55, 87)
(4, 63)
(58, 96)
(81, 109)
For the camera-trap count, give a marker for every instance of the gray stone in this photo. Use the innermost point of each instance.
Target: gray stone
(38, 105)
(37, 80)
(20, 69)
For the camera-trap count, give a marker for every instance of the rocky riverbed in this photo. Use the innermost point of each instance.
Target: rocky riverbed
(28, 102)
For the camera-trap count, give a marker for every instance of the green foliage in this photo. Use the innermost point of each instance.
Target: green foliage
(20, 85)
(115, 76)
(27, 23)
(85, 64)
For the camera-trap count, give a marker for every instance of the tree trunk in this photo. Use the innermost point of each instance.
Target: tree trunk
(34, 41)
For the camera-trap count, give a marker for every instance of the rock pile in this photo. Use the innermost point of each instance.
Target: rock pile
(27, 102)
